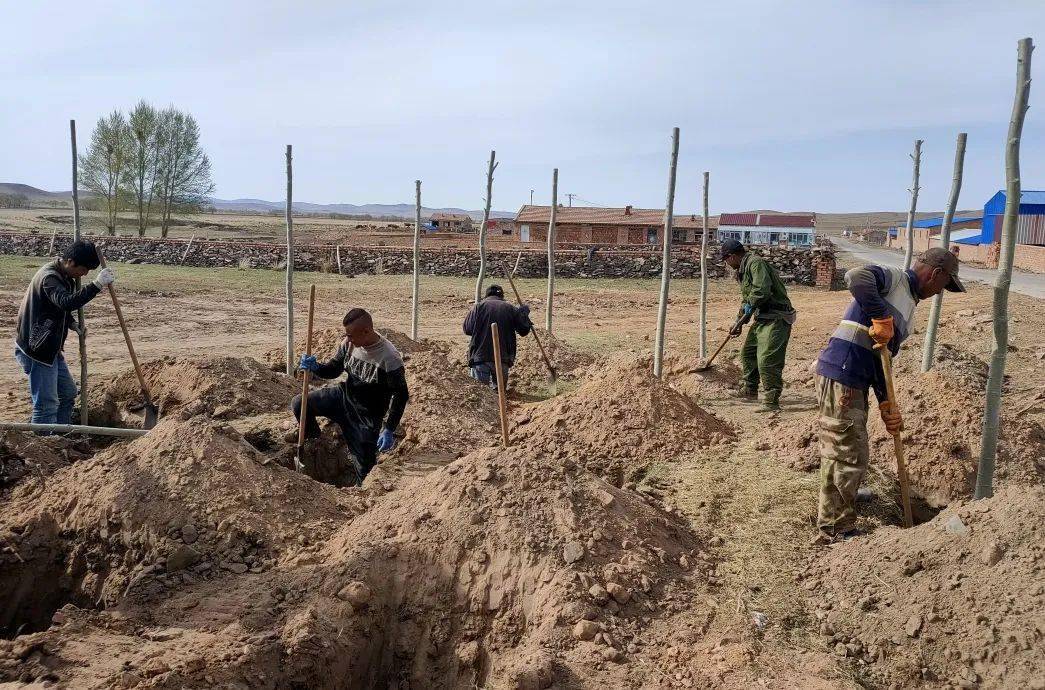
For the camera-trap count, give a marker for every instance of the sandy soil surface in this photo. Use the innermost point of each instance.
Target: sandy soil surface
(639, 533)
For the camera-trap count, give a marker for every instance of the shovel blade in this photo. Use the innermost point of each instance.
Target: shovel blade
(152, 415)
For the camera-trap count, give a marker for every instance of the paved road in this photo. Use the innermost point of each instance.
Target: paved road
(1032, 284)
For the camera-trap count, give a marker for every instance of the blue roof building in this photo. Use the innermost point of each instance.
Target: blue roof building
(1031, 222)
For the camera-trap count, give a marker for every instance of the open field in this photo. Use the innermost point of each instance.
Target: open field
(462, 565)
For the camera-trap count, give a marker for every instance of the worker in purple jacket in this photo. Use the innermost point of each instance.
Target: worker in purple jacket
(880, 315)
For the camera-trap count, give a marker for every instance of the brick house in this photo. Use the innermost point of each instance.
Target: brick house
(607, 226)
(451, 222)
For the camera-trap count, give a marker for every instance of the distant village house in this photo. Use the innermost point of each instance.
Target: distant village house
(451, 222)
(791, 230)
(606, 226)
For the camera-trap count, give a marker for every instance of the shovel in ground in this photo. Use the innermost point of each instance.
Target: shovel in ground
(707, 364)
(306, 375)
(553, 376)
(148, 408)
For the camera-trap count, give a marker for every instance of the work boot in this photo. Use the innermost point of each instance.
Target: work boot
(745, 392)
(770, 401)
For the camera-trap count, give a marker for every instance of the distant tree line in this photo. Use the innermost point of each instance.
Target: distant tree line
(148, 161)
(14, 201)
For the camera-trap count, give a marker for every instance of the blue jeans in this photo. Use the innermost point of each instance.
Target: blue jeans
(485, 373)
(52, 388)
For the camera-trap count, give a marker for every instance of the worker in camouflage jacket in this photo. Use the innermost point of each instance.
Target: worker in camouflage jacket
(765, 302)
(881, 314)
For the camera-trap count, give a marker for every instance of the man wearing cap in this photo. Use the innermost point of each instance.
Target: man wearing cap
(880, 315)
(510, 320)
(764, 300)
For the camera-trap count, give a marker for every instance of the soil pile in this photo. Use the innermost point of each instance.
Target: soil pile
(620, 419)
(222, 387)
(188, 502)
(500, 570)
(325, 343)
(27, 455)
(529, 374)
(957, 600)
(943, 417)
(721, 380)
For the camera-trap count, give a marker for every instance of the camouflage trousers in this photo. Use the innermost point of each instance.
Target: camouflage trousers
(844, 453)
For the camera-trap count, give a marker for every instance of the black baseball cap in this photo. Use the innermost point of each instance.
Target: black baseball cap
(730, 247)
(946, 261)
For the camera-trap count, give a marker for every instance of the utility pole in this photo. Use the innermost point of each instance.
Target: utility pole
(531, 197)
(570, 198)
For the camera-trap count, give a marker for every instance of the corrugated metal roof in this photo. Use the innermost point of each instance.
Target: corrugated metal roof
(585, 215)
(776, 220)
(966, 234)
(938, 221)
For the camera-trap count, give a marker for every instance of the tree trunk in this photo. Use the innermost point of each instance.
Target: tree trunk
(482, 229)
(704, 274)
(82, 336)
(291, 366)
(945, 242)
(996, 372)
(551, 250)
(665, 272)
(417, 261)
(917, 158)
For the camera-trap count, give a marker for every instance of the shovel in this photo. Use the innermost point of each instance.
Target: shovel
(149, 409)
(707, 365)
(553, 376)
(901, 462)
(299, 455)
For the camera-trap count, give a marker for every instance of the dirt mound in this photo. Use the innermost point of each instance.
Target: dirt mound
(721, 380)
(957, 600)
(184, 503)
(501, 570)
(943, 417)
(25, 456)
(795, 440)
(620, 419)
(529, 374)
(223, 387)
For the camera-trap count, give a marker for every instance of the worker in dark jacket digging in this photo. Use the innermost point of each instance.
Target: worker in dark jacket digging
(765, 300)
(44, 319)
(880, 315)
(510, 320)
(369, 403)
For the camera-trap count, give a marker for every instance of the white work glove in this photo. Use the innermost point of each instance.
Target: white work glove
(104, 277)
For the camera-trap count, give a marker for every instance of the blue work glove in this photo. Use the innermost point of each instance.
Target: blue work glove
(747, 309)
(308, 363)
(386, 441)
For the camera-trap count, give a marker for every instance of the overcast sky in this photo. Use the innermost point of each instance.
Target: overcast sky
(791, 105)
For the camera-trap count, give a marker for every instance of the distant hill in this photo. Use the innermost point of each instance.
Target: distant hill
(40, 196)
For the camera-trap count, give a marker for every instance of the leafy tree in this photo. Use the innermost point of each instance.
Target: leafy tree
(183, 169)
(140, 175)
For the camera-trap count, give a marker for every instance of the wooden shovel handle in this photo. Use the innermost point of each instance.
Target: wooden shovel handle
(537, 339)
(306, 375)
(126, 333)
(901, 462)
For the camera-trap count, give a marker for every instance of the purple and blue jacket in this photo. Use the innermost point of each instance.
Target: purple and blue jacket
(878, 292)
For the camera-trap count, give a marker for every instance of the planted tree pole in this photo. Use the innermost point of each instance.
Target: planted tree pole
(82, 335)
(417, 260)
(482, 228)
(996, 371)
(290, 264)
(704, 274)
(917, 158)
(551, 250)
(945, 242)
(665, 272)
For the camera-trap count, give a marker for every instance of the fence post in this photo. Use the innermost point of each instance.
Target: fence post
(665, 273)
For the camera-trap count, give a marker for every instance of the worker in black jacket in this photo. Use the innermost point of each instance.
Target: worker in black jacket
(44, 319)
(510, 320)
(369, 403)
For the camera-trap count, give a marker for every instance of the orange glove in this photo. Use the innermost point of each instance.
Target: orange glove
(881, 331)
(891, 416)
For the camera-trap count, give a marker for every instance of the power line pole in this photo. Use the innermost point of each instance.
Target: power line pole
(531, 197)
(570, 197)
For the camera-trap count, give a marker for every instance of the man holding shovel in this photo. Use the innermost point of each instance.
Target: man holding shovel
(44, 319)
(880, 315)
(369, 403)
(765, 300)
(510, 320)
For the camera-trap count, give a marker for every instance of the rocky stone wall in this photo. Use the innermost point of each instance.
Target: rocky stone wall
(795, 265)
